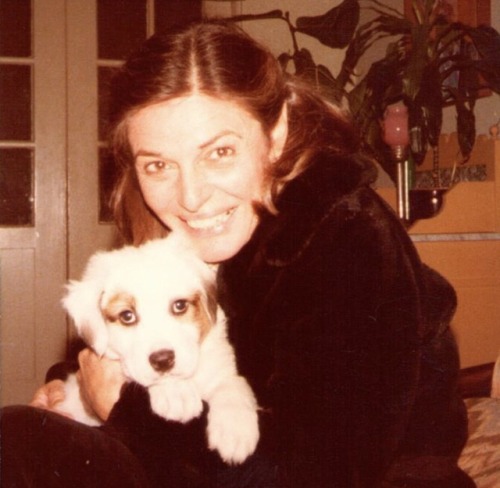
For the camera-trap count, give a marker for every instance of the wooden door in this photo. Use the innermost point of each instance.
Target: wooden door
(32, 193)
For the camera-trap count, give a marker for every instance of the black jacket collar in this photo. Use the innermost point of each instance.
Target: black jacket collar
(306, 201)
(302, 206)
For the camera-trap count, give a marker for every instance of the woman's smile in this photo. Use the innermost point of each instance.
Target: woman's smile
(215, 224)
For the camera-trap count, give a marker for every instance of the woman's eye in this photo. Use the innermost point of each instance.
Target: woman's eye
(179, 307)
(127, 317)
(154, 167)
(221, 153)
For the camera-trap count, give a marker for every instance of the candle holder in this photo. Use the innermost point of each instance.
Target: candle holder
(395, 135)
(425, 203)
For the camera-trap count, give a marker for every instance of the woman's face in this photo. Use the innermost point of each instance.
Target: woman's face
(200, 163)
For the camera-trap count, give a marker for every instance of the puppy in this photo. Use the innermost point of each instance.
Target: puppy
(154, 309)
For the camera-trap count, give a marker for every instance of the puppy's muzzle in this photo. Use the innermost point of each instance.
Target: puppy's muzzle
(162, 360)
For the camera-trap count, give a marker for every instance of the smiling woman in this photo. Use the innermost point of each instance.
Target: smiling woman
(201, 163)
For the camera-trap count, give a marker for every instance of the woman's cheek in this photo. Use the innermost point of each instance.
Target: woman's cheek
(159, 198)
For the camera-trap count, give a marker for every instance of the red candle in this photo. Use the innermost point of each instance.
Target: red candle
(396, 125)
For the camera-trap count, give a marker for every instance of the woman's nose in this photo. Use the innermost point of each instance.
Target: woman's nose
(194, 191)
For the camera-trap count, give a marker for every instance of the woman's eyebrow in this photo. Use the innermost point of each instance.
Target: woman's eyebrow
(144, 152)
(218, 136)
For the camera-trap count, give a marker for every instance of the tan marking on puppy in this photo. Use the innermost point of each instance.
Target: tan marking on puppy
(121, 308)
(211, 299)
(196, 312)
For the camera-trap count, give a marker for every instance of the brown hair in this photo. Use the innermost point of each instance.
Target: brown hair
(220, 60)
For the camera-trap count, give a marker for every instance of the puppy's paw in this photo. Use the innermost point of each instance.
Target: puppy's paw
(175, 399)
(233, 430)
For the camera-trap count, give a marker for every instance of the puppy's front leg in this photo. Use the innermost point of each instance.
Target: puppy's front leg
(176, 399)
(233, 427)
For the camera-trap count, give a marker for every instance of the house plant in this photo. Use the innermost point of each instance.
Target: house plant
(430, 62)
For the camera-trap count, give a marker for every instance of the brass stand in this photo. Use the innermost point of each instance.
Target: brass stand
(403, 182)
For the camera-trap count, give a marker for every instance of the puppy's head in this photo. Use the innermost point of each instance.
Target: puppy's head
(150, 306)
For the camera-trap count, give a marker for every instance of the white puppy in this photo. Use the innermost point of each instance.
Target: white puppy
(154, 308)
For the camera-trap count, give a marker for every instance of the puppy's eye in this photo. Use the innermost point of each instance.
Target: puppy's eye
(127, 317)
(179, 307)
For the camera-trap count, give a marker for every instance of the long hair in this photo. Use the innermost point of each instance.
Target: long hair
(220, 60)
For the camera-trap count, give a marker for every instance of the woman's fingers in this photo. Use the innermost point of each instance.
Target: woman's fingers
(50, 396)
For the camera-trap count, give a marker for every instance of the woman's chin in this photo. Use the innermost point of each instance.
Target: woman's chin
(216, 250)
(221, 242)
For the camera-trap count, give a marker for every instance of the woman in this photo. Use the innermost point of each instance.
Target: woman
(341, 330)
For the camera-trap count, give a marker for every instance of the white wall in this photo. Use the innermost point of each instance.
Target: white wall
(275, 34)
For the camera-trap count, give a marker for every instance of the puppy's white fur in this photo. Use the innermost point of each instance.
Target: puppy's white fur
(153, 308)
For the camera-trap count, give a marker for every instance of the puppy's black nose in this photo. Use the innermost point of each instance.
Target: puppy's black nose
(163, 360)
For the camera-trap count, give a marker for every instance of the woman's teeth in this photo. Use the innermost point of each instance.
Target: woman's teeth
(212, 223)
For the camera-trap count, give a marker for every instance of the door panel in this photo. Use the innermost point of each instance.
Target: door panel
(18, 311)
(33, 257)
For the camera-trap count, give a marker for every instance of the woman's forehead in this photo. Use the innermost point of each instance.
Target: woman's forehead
(200, 118)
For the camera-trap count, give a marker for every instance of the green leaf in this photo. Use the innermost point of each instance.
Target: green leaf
(392, 25)
(317, 75)
(416, 61)
(487, 42)
(384, 83)
(284, 59)
(335, 28)
(305, 66)
(490, 73)
(430, 99)
(466, 129)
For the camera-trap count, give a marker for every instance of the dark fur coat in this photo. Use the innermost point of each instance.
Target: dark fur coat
(344, 335)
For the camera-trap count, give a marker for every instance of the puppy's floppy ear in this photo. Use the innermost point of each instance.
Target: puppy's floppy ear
(82, 302)
(206, 305)
(210, 299)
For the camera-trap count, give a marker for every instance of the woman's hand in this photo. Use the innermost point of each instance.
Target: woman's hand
(100, 381)
(49, 396)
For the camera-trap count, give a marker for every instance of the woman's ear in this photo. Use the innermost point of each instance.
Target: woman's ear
(279, 134)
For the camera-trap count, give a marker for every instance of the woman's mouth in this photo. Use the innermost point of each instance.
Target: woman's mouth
(214, 224)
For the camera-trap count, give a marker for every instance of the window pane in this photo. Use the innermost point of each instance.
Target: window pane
(104, 77)
(175, 12)
(121, 27)
(15, 102)
(15, 28)
(16, 187)
(107, 177)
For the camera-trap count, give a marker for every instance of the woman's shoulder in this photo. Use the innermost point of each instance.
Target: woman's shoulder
(335, 193)
(327, 178)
